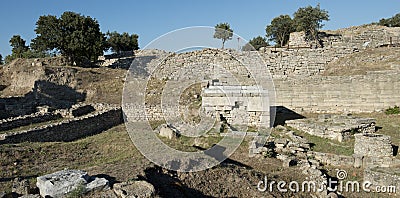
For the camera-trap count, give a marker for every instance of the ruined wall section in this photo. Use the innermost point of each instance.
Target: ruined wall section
(68, 130)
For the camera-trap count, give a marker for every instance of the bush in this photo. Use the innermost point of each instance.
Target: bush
(392, 110)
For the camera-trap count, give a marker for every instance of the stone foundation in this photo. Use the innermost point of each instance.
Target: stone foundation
(335, 127)
(68, 130)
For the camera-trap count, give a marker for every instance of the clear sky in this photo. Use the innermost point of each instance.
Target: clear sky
(151, 19)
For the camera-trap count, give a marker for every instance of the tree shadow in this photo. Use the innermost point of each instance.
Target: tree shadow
(44, 93)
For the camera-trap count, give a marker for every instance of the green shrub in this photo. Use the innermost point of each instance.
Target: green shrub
(392, 110)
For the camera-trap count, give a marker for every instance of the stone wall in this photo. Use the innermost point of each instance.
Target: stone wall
(373, 145)
(14, 122)
(68, 130)
(335, 127)
(331, 94)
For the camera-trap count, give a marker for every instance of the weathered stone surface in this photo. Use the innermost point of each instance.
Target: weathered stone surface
(167, 132)
(374, 145)
(380, 176)
(60, 183)
(20, 186)
(335, 127)
(98, 184)
(134, 189)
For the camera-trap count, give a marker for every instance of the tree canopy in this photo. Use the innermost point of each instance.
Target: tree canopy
(75, 36)
(1, 59)
(280, 29)
(255, 44)
(309, 19)
(18, 46)
(391, 22)
(224, 32)
(122, 42)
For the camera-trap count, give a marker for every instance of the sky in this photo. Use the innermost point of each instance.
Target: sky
(151, 19)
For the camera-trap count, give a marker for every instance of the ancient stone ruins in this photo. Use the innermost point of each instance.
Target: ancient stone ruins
(56, 107)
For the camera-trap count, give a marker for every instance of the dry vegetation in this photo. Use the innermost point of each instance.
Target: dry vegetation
(373, 59)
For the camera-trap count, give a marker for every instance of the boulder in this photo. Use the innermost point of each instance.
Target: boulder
(60, 183)
(98, 184)
(133, 189)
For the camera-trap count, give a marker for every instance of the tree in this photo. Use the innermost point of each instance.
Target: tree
(224, 32)
(1, 60)
(391, 22)
(309, 20)
(75, 36)
(18, 46)
(255, 44)
(122, 42)
(280, 29)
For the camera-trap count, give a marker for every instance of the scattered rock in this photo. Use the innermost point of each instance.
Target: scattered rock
(60, 183)
(289, 162)
(98, 184)
(20, 186)
(134, 189)
(167, 132)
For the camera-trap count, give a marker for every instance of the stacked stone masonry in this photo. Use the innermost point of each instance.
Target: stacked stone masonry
(68, 129)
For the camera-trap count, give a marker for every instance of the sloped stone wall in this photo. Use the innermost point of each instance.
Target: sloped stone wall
(68, 130)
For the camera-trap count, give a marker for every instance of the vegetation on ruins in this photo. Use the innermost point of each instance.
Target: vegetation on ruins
(75, 36)
(122, 42)
(255, 44)
(309, 20)
(391, 22)
(280, 29)
(392, 110)
(224, 32)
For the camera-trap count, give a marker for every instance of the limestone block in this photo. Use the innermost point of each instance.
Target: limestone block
(60, 183)
(167, 132)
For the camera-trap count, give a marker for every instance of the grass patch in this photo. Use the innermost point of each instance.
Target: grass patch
(326, 145)
(392, 110)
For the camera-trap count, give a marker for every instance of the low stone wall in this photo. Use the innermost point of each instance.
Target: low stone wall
(68, 130)
(19, 121)
(335, 127)
(333, 159)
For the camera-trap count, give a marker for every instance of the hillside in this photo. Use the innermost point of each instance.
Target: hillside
(372, 59)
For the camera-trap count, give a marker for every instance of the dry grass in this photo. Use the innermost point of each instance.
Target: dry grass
(374, 59)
